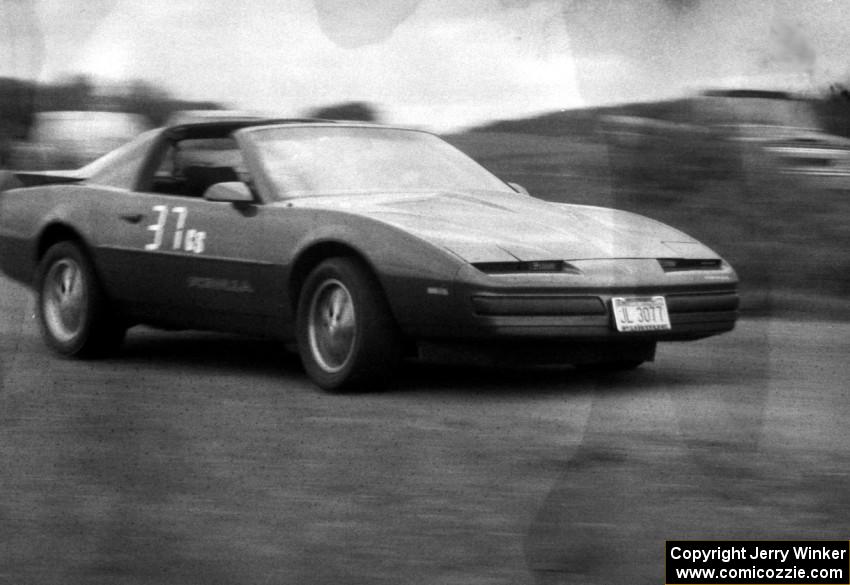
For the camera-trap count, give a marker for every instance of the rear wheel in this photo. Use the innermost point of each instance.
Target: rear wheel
(347, 338)
(73, 311)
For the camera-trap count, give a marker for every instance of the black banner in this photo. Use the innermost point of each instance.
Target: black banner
(761, 562)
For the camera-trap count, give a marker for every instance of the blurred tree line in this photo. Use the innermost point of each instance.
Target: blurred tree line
(356, 111)
(21, 100)
(140, 97)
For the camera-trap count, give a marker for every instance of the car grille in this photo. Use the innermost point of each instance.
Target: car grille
(702, 302)
(537, 305)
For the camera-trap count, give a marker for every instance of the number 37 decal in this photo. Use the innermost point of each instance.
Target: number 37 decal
(188, 240)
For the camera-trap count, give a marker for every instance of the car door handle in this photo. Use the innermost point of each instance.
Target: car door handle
(132, 217)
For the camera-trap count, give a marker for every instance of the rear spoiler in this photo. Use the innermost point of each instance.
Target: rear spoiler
(33, 178)
(16, 179)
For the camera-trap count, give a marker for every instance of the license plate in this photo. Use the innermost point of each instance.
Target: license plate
(640, 313)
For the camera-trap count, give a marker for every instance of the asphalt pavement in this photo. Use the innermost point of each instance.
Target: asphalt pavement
(202, 458)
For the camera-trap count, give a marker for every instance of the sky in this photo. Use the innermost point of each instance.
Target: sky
(439, 64)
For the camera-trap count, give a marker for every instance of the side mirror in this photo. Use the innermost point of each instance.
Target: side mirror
(230, 192)
(519, 188)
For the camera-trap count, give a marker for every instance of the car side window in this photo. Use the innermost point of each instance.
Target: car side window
(121, 168)
(190, 167)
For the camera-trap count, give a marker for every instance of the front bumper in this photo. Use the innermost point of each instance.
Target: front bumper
(559, 308)
(693, 314)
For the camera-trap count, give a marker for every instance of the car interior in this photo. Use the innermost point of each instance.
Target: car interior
(191, 166)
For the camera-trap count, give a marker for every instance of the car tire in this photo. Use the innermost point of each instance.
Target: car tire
(347, 338)
(73, 311)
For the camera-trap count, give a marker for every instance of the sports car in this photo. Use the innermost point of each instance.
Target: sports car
(362, 245)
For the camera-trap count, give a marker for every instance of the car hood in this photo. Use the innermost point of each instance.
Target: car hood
(503, 227)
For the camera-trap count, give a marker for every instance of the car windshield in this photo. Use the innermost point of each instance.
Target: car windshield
(306, 161)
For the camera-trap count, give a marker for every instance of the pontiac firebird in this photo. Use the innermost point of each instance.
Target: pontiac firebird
(362, 244)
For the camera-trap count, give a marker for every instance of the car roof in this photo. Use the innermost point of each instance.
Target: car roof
(215, 128)
(218, 128)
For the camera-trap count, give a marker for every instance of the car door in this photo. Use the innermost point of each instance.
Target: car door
(194, 262)
(172, 257)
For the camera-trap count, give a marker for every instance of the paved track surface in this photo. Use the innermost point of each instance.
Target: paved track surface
(197, 458)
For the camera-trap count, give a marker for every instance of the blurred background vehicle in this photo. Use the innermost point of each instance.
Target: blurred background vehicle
(758, 132)
(71, 139)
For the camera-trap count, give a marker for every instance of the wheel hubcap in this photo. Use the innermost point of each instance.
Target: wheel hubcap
(332, 326)
(65, 298)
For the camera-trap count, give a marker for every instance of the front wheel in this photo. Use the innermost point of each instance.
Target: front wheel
(72, 308)
(347, 338)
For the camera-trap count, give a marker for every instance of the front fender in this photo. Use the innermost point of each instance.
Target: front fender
(416, 276)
